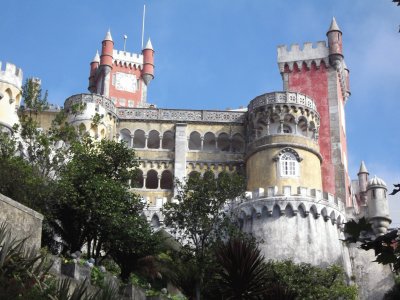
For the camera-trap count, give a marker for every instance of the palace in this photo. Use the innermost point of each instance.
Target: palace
(290, 145)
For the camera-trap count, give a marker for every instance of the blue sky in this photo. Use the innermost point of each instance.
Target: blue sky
(215, 54)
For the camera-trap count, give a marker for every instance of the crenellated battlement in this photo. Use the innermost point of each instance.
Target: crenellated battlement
(308, 54)
(304, 202)
(11, 74)
(313, 195)
(126, 57)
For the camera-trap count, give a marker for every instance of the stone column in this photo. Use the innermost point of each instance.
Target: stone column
(146, 137)
(201, 142)
(132, 136)
(160, 144)
(295, 127)
(144, 181)
(180, 151)
(159, 181)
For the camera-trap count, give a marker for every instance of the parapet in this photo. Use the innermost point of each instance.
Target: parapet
(9, 73)
(126, 57)
(304, 202)
(313, 195)
(309, 54)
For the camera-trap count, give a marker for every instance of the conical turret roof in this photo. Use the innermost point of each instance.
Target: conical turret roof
(96, 58)
(108, 36)
(334, 26)
(149, 45)
(363, 168)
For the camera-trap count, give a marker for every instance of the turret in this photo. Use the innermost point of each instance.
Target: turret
(378, 208)
(94, 65)
(148, 63)
(334, 35)
(363, 177)
(106, 57)
(106, 61)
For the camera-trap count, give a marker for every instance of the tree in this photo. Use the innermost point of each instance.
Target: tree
(310, 282)
(78, 183)
(242, 274)
(386, 247)
(198, 218)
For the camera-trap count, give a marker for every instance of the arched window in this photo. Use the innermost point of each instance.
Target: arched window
(166, 180)
(195, 141)
(139, 139)
(237, 143)
(153, 141)
(125, 136)
(155, 221)
(168, 140)
(223, 142)
(137, 180)
(302, 126)
(152, 179)
(286, 128)
(288, 165)
(209, 141)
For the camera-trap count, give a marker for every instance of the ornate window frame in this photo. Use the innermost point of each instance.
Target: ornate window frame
(288, 163)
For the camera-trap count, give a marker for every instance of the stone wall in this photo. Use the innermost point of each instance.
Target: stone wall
(23, 221)
(373, 279)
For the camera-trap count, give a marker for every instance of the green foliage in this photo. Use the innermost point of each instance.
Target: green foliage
(200, 218)
(242, 274)
(385, 247)
(310, 282)
(355, 230)
(97, 277)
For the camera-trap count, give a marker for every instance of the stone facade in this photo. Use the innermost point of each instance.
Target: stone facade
(23, 221)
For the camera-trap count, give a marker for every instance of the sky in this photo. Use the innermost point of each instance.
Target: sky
(218, 54)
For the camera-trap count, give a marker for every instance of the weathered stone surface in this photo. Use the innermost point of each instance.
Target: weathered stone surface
(76, 271)
(373, 279)
(132, 292)
(23, 221)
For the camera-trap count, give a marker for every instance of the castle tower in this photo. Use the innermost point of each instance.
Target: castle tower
(122, 76)
(10, 95)
(363, 182)
(320, 72)
(94, 65)
(378, 208)
(287, 207)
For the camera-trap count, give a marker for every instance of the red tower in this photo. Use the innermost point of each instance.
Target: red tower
(122, 76)
(320, 72)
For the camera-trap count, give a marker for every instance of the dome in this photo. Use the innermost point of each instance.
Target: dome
(376, 181)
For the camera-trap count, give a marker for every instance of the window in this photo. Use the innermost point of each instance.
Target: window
(286, 129)
(288, 164)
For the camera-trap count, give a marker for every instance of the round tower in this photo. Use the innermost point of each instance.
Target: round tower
(106, 62)
(286, 206)
(148, 63)
(90, 105)
(94, 65)
(378, 208)
(10, 95)
(335, 44)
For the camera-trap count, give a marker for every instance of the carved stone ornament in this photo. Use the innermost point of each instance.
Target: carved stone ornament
(286, 150)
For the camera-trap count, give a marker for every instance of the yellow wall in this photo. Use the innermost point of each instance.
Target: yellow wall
(263, 171)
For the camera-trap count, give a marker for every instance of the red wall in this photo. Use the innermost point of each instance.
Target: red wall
(314, 83)
(124, 94)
